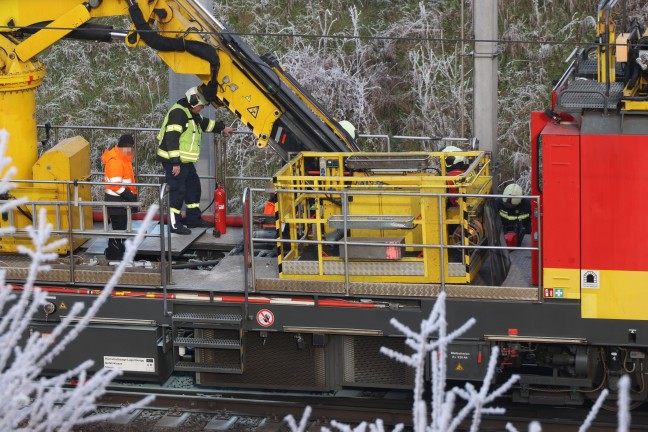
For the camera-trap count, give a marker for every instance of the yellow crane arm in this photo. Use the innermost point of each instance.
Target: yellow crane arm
(190, 41)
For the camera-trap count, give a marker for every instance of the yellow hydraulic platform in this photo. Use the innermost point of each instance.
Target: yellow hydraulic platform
(381, 217)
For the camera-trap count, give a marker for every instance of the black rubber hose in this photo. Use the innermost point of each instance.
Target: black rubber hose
(88, 31)
(162, 43)
(194, 264)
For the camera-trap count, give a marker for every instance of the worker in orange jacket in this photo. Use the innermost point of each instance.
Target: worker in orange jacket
(118, 175)
(269, 209)
(268, 230)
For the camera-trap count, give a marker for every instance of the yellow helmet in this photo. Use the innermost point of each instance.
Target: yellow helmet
(512, 190)
(453, 160)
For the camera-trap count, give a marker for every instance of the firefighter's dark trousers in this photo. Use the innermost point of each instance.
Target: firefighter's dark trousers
(184, 188)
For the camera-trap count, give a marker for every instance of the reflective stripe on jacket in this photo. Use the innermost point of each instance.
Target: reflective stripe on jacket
(118, 171)
(188, 148)
(513, 215)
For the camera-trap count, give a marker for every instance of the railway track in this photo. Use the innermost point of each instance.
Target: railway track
(187, 408)
(195, 409)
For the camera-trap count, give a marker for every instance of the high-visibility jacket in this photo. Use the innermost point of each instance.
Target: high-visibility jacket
(180, 134)
(515, 214)
(118, 172)
(269, 209)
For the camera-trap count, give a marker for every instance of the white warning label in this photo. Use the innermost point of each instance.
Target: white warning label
(130, 364)
(590, 279)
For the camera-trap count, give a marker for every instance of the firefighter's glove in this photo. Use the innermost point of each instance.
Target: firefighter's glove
(128, 195)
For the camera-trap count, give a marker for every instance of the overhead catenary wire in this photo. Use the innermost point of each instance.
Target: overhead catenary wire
(339, 36)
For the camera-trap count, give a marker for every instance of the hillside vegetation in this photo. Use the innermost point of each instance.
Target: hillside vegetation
(391, 67)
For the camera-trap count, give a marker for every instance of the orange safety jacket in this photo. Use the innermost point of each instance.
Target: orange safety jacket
(269, 209)
(118, 171)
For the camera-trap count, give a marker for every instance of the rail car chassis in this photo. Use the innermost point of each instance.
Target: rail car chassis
(241, 324)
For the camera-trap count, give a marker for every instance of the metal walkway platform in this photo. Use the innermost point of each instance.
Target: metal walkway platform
(517, 285)
(228, 274)
(581, 94)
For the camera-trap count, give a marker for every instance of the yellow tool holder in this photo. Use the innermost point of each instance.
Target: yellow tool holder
(381, 217)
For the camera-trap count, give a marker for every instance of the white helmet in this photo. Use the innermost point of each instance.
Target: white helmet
(195, 98)
(512, 190)
(453, 160)
(348, 126)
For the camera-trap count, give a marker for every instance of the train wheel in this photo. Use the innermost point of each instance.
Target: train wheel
(605, 378)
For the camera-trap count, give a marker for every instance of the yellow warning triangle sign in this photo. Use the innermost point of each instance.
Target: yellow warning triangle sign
(459, 367)
(62, 306)
(254, 111)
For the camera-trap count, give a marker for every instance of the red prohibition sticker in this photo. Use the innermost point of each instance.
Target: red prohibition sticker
(265, 318)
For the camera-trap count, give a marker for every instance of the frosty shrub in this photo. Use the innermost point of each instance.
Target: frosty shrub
(32, 402)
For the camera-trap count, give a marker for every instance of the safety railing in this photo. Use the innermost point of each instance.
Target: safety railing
(76, 217)
(467, 249)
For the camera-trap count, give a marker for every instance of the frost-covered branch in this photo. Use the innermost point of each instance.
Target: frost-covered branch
(30, 401)
(442, 416)
(623, 413)
(378, 426)
(303, 423)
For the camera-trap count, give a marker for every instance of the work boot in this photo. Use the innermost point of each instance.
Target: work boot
(177, 227)
(113, 252)
(180, 229)
(199, 224)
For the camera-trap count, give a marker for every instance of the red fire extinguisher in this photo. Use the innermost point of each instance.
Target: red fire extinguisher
(220, 212)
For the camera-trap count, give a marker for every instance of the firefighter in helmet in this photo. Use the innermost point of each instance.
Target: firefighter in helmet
(178, 149)
(515, 213)
(455, 165)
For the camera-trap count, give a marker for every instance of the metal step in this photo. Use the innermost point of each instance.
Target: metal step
(208, 343)
(207, 318)
(209, 367)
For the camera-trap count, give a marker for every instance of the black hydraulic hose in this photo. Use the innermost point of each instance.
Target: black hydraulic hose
(20, 209)
(87, 31)
(194, 264)
(162, 43)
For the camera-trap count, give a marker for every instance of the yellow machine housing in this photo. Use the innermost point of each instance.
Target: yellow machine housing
(384, 216)
(67, 161)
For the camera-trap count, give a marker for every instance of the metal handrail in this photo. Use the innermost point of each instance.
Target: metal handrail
(165, 264)
(248, 249)
(75, 207)
(440, 246)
